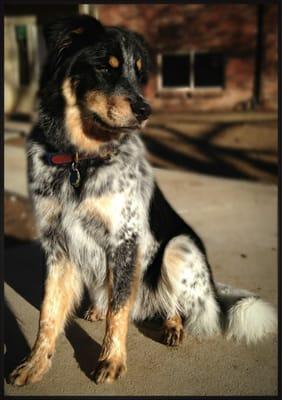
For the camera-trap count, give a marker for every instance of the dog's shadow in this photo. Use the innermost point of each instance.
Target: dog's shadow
(152, 329)
(86, 349)
(25, 273)
(16, 345)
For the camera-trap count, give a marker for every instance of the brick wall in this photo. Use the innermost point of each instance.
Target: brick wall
(229, 28)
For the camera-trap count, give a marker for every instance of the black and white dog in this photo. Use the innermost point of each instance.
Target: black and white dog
(102, 219)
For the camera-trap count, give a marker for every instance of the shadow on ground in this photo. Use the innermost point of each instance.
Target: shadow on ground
(25, 273)
(212, 151)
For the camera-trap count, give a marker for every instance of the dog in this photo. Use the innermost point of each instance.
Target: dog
(102, 219)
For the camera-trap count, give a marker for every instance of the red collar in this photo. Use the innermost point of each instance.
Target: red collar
(63, 158)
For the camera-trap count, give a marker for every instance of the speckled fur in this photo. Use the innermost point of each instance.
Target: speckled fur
(116, 234)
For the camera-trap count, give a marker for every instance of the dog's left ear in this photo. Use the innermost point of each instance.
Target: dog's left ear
(66, 32)
(146, 60)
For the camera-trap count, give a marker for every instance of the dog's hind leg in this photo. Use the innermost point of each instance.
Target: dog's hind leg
(173, 331)
(97, 310)
(62, 291)
(93, 314)
(186, 290)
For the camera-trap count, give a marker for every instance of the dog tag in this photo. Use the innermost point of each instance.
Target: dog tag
(75, 176)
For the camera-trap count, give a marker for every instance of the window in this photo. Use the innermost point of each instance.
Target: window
(190, 71)
(176, 70)
(209, 70)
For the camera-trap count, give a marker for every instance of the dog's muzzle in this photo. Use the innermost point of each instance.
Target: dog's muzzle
(141, 109)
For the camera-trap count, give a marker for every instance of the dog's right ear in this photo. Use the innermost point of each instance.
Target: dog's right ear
(68, 31)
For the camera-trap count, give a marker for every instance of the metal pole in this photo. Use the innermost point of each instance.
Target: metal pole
(259, 57)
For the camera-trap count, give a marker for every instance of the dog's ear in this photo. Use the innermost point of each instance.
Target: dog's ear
(146, 56)
(66, 32)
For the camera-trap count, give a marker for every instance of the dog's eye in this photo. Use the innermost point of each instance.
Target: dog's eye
(114, 62)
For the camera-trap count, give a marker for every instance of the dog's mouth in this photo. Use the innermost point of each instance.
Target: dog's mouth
(93, 122)
(104, 124)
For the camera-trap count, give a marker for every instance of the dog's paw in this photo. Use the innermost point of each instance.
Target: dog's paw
(92, 314)
(172, 336)
(109, 371)
(30, 371)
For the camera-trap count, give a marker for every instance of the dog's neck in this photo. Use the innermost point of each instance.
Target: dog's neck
(104, 153)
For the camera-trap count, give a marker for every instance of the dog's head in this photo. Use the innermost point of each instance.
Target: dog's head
(92, 82)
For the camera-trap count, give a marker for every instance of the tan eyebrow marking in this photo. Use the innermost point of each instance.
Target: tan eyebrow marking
(114, 62)
(139, 64)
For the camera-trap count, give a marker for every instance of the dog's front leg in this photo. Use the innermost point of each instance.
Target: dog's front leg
(123, 284)
(62, 291)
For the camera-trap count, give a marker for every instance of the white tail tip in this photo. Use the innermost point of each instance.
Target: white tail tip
(251, 319)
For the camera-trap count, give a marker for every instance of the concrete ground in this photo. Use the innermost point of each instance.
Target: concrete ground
(238, 222)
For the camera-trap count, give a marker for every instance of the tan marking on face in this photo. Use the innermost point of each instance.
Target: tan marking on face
(74, 124)
(68, 93)
(114, 62)
(114, 110)
(82, 130)
(77, 134)
(120, 110)
(98, 103)
(139, 64)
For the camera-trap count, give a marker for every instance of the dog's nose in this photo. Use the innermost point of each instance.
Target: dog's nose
(141, 109)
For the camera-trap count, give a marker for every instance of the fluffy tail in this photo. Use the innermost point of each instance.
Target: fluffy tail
(245, 316)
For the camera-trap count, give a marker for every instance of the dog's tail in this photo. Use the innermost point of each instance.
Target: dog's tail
(245, 316)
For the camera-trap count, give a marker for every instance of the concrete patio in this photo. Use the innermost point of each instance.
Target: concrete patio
(238, 222)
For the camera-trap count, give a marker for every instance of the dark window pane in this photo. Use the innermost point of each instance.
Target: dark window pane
(21, 35)
(209, 70)
(176, 70)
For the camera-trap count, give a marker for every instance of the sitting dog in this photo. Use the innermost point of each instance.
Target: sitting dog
(102, 219)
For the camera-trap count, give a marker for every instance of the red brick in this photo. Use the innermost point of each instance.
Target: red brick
(228, 28)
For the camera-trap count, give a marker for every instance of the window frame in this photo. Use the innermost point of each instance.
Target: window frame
(185, 89)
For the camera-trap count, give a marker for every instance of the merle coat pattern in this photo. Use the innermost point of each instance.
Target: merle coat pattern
(115, 233)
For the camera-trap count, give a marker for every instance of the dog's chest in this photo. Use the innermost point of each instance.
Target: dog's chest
(112, 210)
(105, 218)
